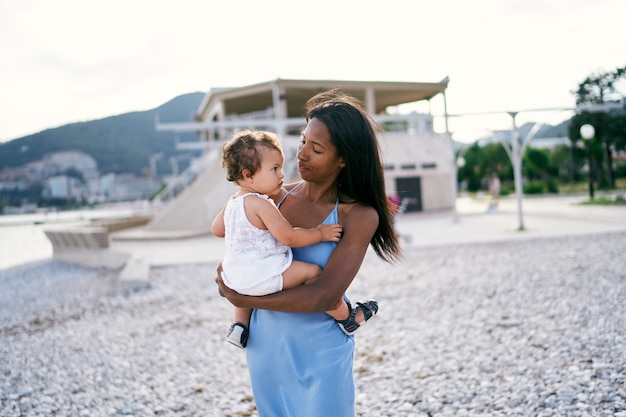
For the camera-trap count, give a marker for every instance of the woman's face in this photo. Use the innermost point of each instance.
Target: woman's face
(317, 156)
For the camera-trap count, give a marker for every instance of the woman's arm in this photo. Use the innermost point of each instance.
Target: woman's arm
(359, 225)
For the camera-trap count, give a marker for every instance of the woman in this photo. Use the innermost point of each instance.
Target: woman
(300, 363)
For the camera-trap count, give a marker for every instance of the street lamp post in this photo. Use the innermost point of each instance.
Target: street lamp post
(455, 186)
(587, 132)
(458, 163)
(516, 154)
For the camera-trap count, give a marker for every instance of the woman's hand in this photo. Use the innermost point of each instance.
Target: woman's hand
(218, 279)
(231, 295)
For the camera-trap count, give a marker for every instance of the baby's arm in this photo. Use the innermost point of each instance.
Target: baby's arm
(269, 215)
(218, 228)
(330, 232)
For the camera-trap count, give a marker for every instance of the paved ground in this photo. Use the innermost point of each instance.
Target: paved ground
(540, 217)
(473, 222)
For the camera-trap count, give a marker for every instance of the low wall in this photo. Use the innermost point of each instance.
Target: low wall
(90, 245)
(113, 225)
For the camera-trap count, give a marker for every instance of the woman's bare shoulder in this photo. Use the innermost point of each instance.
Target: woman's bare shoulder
(358, 211)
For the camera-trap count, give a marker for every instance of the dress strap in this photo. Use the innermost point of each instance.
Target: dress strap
(288, 192)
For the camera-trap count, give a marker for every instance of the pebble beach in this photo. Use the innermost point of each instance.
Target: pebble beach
(534, 327)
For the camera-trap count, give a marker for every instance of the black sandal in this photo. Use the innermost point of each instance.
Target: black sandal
(349, 326)
(238, 335)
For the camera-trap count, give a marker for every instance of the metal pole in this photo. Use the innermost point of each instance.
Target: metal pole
(587, 132)
(517, 170)
(590, 171)
(455, 192)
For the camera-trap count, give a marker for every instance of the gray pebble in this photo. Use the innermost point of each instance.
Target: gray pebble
(532, 327)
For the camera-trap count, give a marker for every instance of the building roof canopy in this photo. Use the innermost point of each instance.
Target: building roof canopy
(259, 97)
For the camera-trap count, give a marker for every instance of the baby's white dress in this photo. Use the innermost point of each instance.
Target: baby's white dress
(254, 260)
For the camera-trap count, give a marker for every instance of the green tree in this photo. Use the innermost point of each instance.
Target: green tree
(536, 165)
(481, 161)
(592, 95)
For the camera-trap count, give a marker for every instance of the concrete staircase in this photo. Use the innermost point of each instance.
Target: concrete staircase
(190, 212)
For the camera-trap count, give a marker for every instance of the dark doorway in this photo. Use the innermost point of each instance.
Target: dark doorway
(410, 193)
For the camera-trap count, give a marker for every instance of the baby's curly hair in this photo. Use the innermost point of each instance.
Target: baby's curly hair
(242, 152)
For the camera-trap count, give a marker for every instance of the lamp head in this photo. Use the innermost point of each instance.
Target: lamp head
(587, 131)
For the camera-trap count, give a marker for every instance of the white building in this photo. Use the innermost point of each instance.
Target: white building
(127, 187)
(64, 187)
(418, 161)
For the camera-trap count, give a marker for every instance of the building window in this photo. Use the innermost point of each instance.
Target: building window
(430, 165)
(407, 166)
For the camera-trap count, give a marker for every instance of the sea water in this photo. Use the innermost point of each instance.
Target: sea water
(23, 239)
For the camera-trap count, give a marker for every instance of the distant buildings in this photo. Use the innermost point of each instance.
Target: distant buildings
(73, 176)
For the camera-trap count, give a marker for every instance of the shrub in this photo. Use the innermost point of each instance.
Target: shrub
(553, 186)
(534, 187)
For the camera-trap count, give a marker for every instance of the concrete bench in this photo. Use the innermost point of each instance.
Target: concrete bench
(88, 246)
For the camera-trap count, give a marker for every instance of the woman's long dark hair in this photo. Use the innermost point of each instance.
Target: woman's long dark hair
(353, 133)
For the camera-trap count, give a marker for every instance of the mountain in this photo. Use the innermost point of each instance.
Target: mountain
(122, 143)
(545, 134)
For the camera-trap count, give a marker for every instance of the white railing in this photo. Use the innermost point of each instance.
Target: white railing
(413, 123)
(180, 182)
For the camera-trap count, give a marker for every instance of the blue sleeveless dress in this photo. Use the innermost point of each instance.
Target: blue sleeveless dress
(300, 364)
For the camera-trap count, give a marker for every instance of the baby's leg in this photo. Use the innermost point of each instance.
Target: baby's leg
(305, 273)
(300, 273)
(239, 331)
(242, 315)
(342, 312)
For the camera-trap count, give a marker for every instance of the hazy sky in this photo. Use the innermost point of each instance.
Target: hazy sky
(66, 61)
